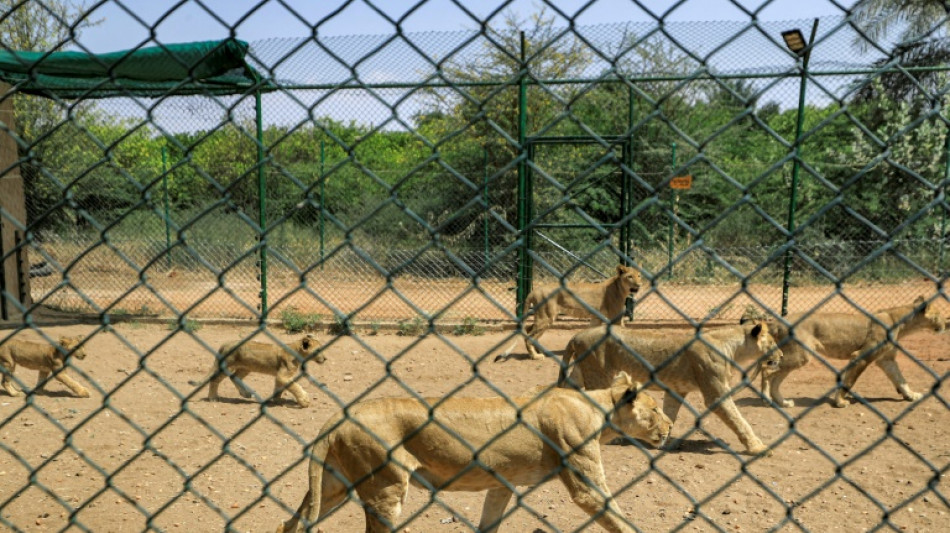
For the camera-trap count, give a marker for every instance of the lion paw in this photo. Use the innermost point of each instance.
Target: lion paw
(841, 403)
(781, 403)
(82, 393)
(913, 396)
(761, 450)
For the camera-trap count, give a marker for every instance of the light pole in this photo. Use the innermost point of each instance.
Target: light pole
(795, 42)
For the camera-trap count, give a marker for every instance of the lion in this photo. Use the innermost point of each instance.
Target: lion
(608, 297)
(377, 448)
(48, 359)
(238, 359)
(855, 337)
(681, 361)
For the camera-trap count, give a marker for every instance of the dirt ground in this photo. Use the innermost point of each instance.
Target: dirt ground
(99, 283)
(147, 451)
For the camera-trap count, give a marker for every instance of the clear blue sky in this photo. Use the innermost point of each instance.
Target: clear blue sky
(190, 22)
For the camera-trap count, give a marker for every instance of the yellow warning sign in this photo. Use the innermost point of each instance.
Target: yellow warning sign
(682, 182)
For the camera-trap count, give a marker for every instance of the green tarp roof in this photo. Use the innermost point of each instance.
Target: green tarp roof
(208, 67)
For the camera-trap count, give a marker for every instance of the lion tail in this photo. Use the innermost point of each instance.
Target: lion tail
(309, 508)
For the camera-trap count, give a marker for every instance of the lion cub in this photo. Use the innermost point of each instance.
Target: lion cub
(851, 336)
(42, 356)
(238, 359)
(608, 297)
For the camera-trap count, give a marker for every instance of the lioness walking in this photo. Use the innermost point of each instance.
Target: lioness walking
(856, 337)
(44, 357)
(379, 447)
(680, 361)
(238, 359)
(608, 297)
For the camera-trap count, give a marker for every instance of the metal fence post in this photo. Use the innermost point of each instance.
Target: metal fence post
(673, 199)
(626, 196)
(942, 194)
(323, 182)
(262, 199)
(796, 165)
(486, 199)
(168, 231)
(524, 282)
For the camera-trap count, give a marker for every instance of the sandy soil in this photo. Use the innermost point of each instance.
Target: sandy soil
(370, 297)
(147, 451)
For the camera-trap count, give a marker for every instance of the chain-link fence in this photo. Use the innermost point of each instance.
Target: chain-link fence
(359, 171)
(430, 180)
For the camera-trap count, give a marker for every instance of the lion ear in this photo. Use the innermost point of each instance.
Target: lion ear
(629, 396)
(622, 379)
(621, 268)
(624, 389)
(757, 330)
(918, 301)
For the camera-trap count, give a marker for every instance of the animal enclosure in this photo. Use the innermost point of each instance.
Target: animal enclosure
(399, 193)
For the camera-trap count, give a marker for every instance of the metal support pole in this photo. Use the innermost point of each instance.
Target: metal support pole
(168, 230)
(942, 195)
(796, 165)
(4, 314)
(323, 190)
(626, 198)
(524, 271)
(262, 199)
(626, 201)
(486, 199)
(673, 199)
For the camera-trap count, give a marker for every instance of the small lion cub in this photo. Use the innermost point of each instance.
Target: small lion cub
(42, 356)
(237, 360)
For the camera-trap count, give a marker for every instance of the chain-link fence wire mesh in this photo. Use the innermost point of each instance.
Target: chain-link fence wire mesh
(674, 117)
(391, 192)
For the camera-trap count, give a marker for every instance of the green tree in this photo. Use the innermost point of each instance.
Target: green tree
(477, 126)
(914, 18)
(921, 27)
(41, 26)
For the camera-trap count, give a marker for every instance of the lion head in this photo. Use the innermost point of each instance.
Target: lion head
(636, 414)
(926, 315)
(71, 344)
(629, 278)
(307, 345)
(761, 342)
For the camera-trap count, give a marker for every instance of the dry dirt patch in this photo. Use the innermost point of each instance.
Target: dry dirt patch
(146, 450)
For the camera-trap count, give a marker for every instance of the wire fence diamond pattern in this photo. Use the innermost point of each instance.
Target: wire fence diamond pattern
(381, 208)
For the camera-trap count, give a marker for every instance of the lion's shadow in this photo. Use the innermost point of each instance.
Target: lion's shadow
(270, 402)
(804, 403)
(49, 394)
(557, 355)
(757, 401)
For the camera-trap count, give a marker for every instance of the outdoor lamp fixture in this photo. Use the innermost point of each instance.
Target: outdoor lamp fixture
(794, 40)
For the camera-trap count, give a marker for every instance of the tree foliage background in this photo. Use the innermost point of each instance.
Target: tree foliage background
(876, 157)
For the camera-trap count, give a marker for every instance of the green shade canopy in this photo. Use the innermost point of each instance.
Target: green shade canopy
(207, 67)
